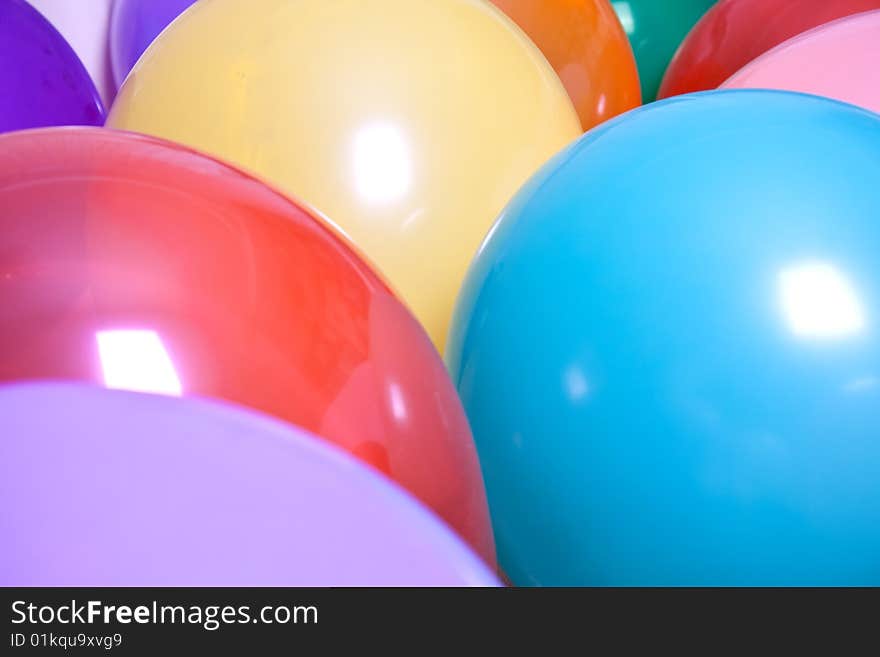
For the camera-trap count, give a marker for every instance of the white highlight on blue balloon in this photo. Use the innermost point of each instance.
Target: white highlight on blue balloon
(818, 301)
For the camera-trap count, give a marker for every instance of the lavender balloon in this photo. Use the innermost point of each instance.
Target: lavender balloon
(110, 488)
(133, 26)
(42, 81)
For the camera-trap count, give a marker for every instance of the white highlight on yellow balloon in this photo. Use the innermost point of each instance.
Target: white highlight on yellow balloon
(382, 163)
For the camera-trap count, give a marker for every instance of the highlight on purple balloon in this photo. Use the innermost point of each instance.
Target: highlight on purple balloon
(42, 81)
(134, 25)
(85, 25)
(110, 488)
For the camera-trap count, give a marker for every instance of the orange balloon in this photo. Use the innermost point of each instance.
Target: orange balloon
(585, 43)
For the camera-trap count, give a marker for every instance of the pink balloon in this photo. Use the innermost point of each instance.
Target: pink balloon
(839, 60)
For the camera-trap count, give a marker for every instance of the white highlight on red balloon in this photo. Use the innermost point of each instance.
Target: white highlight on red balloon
(137, 360)
(398, 404)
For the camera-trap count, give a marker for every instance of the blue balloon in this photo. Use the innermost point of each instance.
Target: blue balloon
(669, 351)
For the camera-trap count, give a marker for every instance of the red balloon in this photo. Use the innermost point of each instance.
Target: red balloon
(734, 32)
(139, 264)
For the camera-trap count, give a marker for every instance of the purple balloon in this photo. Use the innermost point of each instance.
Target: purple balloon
(42, 81)
(134, 25)
(109, 488)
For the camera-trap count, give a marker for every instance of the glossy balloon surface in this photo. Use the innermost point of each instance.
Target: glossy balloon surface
(141, 265)
(110, 488)
(42, 81)
(672, 368)
(735, 32)
(588, 49)
(135, 24)
(655, 29)
(85, 24)
(409, 123)
(838, 60)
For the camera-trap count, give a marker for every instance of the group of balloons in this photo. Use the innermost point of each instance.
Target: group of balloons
(220, 315)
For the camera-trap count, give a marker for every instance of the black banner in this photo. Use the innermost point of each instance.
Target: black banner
(177, 621)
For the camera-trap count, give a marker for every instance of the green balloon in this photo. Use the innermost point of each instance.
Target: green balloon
(655, 29)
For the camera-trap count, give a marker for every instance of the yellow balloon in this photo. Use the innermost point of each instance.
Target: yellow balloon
(409, 123)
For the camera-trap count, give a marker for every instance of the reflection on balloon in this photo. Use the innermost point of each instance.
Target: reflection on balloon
(139, 264)
(819, 302)
(408, 123)
(625, 15)
(382, 163)
(110, 488)
(576, 384)
(137, 360)
(862, 385)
